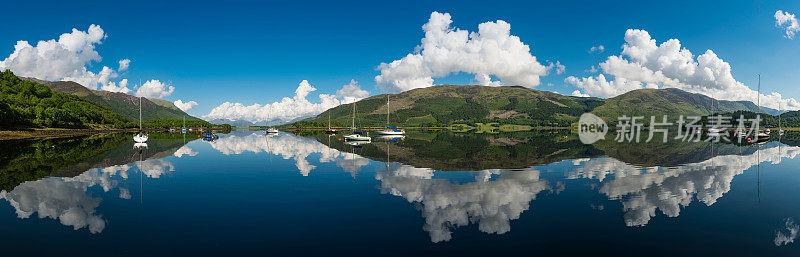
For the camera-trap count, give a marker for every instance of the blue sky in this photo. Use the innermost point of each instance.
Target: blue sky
(258, 52)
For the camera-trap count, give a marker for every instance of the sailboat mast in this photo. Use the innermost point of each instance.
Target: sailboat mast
(758, 96)
(387, 110)
(354, 115)
(140, 113)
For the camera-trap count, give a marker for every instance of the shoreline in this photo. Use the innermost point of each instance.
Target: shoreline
(51, 133)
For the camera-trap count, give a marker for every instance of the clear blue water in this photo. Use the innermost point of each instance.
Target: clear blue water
(443, 193)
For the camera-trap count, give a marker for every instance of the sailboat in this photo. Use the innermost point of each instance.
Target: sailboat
(761, 136)
(270, 130)
(356, 136)
(714, 131)
(183, 131)
(330, 130)
(780, 126)
(390, 130)
(140, 138)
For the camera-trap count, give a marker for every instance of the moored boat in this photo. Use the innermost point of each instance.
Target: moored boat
(390, 130)
(356, 136)
(140, 137)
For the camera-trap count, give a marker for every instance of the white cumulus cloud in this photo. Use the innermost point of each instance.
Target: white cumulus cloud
(579, 94)
(558, 67)
(599, 49)
(155, 89)
(64, 58)
(351, 92)
(114, 87)
(491, 51)
(184, 106)
(788, 22)
(124, 64)
(644, 64)
(67, 59)
(288, 108)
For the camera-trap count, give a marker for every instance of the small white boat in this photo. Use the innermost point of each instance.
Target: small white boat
(357, 137)
(140, 145)
(272, 131)
(356, 143)
(390, 131)
(140, 138)
(392, 137)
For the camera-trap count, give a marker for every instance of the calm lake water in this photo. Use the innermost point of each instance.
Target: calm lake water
(532, 193)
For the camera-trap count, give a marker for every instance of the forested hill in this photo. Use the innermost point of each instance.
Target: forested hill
(25, 103)
(121, 103)
(672, 102)
(449, 104)
(453, 104)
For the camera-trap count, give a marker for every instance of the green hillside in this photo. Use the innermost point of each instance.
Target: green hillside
(25, 103)
(672, 102)
(121, 103)
(449, 104)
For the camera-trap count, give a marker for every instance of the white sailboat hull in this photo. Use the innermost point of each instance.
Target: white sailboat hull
(391, 137)
(356, 137)
(272, 130)
(139, 138)
(391, 132)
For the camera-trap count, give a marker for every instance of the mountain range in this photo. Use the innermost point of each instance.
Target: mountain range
(235, 123)
(455, 104)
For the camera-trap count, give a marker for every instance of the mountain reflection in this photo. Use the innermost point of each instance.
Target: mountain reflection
(644, 190)
(103, 162)
(646, 178)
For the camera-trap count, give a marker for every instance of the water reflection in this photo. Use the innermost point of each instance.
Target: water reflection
(787, 233)
(491, 204)
(456, 180)
(644, 190)
(104, 162)
(289, 147)
(646, 179)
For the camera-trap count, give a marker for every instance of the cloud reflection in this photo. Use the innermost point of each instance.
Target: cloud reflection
(787, 233)
(185, 150)
(289, 147)
(66, 199)
(491, 204)
(644, 190)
